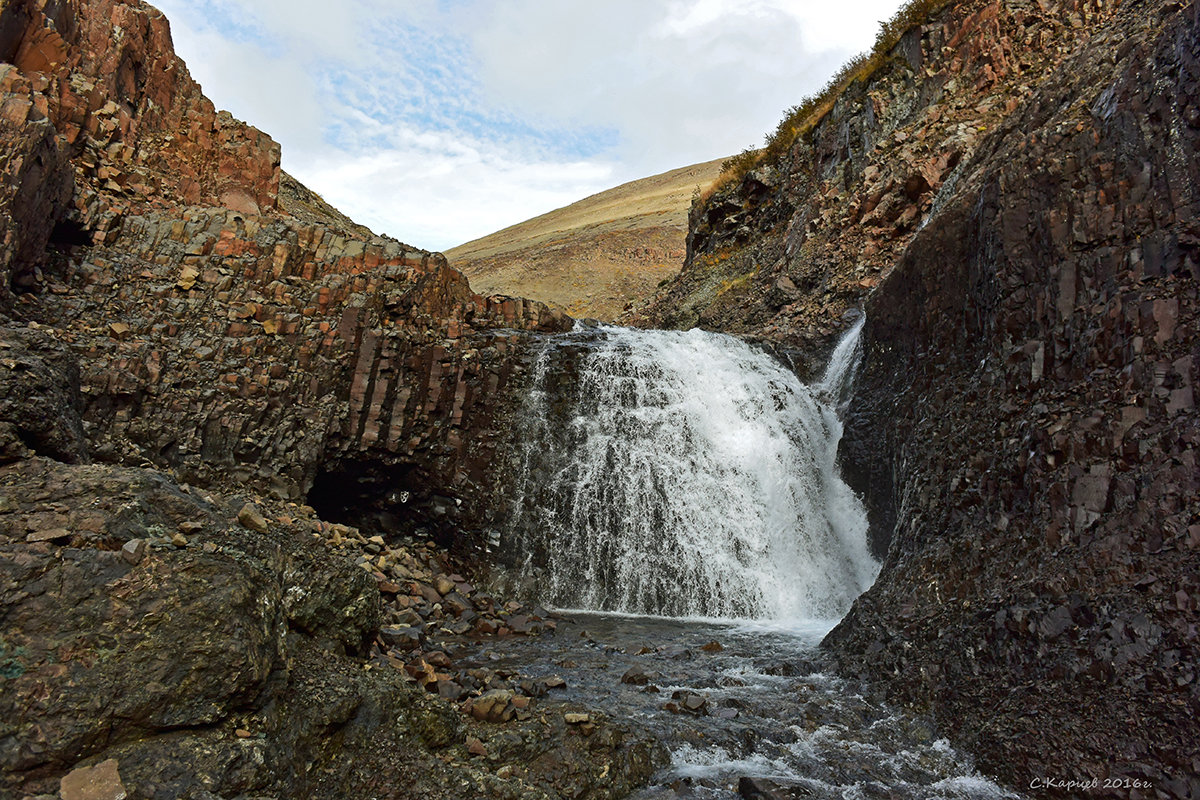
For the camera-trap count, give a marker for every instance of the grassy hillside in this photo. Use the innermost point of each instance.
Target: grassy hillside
(595, 256)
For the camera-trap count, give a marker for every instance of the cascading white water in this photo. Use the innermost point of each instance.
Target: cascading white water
(686, 474)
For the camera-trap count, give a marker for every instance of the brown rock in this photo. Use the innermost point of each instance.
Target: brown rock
(187, 277)
(438, 659)
(250, 517)
(492, 706)
(99, 782)
(49, 535)
(444, 585)
(429, 594)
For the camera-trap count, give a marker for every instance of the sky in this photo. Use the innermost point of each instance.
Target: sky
(440, 121)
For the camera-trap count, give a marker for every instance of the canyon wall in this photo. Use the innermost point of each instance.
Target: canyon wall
(192, 347)
(225, 331)
(1012, 198)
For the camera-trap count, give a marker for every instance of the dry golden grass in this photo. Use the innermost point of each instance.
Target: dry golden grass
(594, 256)
(650, 202)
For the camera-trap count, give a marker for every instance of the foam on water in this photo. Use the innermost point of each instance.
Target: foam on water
(688, 474)
(714, 762)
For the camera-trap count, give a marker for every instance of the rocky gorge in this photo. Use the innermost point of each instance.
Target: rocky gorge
(249, 451)
(1011, 197)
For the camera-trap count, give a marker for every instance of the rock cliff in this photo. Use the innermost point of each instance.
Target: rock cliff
(224, 329)
(1011, 195)
(193, 346)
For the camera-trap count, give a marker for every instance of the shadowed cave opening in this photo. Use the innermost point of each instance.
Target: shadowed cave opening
(392, 500)
(68, 233)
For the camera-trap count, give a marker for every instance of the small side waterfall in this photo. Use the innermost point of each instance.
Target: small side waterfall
(686, 474)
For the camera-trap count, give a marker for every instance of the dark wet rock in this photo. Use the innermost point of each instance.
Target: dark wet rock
(688, 702)
(785, 668)
(458, 605)
(677, 652)
(332, 601)
(763, 789)
(1023, 420)
(40, 399)
(637, 676)
(405, 637)
(35, 183)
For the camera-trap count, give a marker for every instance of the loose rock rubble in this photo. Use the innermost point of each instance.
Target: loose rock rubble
(430, 611)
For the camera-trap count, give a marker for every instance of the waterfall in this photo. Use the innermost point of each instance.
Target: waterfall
(685, 474)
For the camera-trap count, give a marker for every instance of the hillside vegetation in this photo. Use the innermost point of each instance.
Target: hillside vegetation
(596, 256)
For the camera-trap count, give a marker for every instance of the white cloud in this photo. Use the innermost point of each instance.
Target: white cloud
(451, 199)
(438, 121)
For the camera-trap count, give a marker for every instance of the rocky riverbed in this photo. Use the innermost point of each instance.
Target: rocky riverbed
(745, 709)
(232, 423)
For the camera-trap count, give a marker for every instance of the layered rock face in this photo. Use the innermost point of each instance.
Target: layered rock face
(265, 350)
(221, 334)
(785, 250)
(1012, 197)
(184, 329)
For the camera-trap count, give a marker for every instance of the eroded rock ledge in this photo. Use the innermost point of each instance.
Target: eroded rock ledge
(221, 337)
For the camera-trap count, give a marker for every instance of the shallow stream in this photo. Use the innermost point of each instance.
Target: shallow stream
(764, 709)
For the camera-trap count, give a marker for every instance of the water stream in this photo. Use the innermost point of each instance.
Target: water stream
(680, 490)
